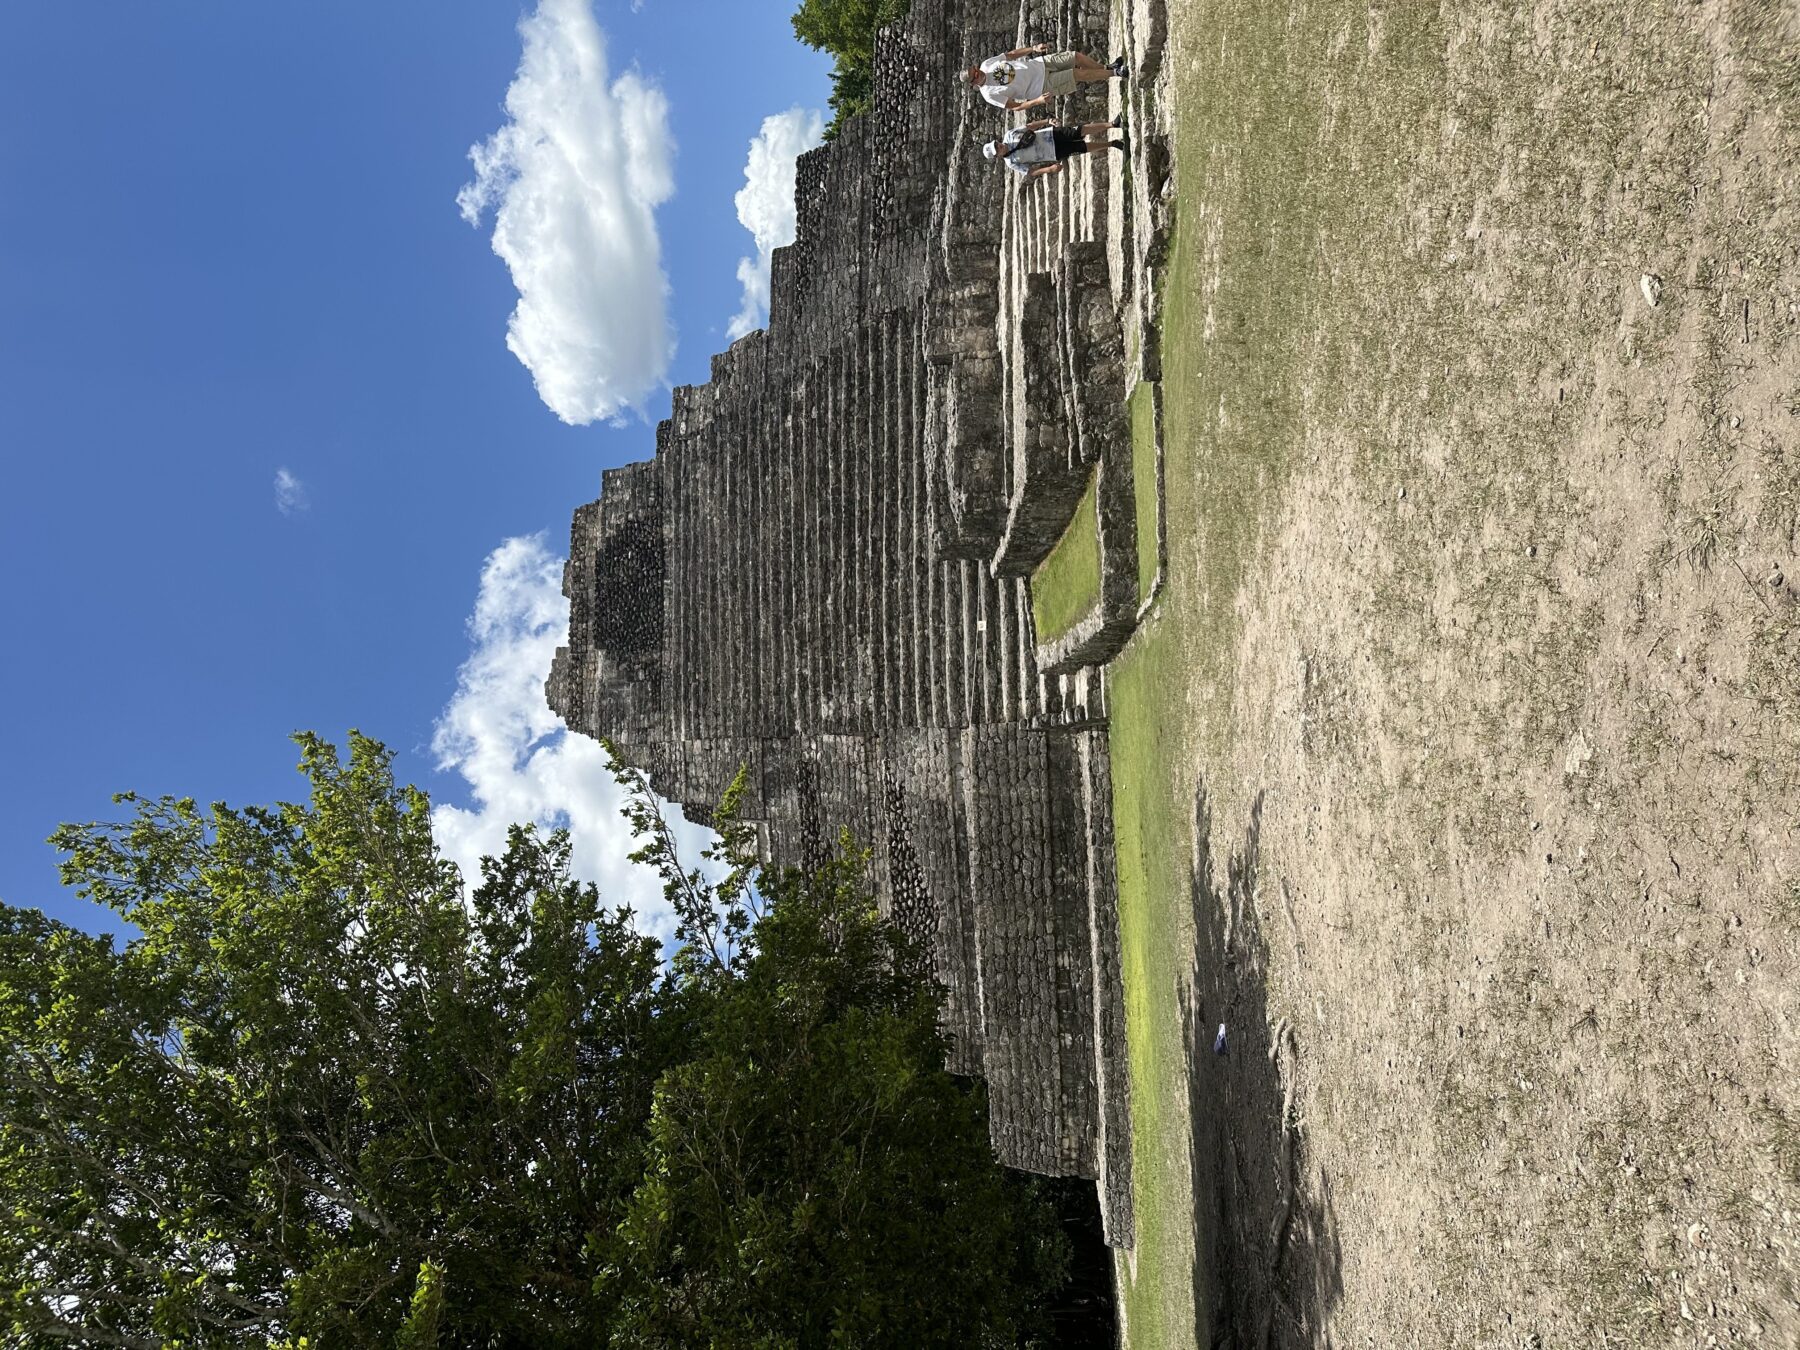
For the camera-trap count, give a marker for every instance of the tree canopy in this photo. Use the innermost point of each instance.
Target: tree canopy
(845, 30)
(325, 1096)
(814, 1175)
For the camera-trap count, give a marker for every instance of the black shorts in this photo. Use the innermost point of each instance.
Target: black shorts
(1069, 141)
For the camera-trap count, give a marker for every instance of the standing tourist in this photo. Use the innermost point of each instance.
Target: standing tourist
(1038, 149)
(1028, 76)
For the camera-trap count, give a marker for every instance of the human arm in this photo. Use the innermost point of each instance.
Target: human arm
(1038, 125)
(1045, 170)
(1036, 49)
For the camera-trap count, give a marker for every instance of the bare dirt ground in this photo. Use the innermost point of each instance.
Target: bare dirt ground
(1483, 835)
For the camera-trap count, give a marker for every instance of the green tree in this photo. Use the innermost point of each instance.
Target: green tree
(816, 1176)
(323, 1098)
(320, 1095)
(845, 30)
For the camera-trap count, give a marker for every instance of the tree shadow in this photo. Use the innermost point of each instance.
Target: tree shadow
(1267, 1266)
(1084, 1312)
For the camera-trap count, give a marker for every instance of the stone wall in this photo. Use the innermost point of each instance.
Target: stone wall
(805, 580)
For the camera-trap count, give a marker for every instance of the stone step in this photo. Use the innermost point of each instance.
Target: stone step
(913, 547)
(766, 446)
(794, 525)
(974, 581)
(1029, 701)
(753, 477)
(992, 627)
(912, 508)
(848, 486)
(705, 583)
(953, 657)
(712, 482)
(806, 550)
(901, 544)
(732, 690)
(871, 492)
(690, 685)
(894, 638)
(1003, 637)
(824, 563)
(725, 708)
(855, 486)
(966, 639)
(777, 629)
(674, 580)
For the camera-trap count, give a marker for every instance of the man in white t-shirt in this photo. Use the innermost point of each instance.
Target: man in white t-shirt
(1028, 76)
(1038, 149)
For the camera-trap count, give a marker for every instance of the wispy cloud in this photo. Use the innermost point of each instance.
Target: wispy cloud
(519, 762)
(765, 204)
(575, 177)
(290, 493)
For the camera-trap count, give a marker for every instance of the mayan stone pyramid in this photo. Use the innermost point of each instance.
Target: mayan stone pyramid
(823, 575)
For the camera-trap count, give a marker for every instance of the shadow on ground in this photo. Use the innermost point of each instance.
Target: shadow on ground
(1267, 1268)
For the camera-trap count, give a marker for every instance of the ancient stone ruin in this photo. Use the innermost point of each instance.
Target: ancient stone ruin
(823, 575)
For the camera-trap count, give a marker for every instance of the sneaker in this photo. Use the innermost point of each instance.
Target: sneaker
(1118, 122)
(1119, 68)
(1121, 147)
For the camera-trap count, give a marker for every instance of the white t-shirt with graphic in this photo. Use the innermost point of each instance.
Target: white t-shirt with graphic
(1030, 149)
(1012, 81)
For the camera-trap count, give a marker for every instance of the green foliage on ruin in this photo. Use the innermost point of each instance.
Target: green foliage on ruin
(325, 1098)
(845, 30)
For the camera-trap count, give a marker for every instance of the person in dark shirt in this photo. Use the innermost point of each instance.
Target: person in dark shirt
(1039, 149)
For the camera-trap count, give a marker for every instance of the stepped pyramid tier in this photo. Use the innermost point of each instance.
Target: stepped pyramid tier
(823, 574)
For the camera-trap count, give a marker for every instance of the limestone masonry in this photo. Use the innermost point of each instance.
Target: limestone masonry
(823, 574)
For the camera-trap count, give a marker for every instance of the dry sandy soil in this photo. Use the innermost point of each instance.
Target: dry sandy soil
(1482, 367)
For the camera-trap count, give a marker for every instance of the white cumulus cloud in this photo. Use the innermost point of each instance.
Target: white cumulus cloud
(290, 492)
(518, 760)
(765, 204)
(575, 177)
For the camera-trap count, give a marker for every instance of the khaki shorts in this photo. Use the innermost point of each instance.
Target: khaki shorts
(1059, 74)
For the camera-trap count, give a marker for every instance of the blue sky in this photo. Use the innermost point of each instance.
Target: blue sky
(230, 246)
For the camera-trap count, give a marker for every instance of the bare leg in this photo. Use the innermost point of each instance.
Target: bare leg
(1091, 74)
(1085, 62)
(1093, 129)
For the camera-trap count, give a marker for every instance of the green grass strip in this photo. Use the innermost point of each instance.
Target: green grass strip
(1143, 482)
(1066, 585)
(1256, 323)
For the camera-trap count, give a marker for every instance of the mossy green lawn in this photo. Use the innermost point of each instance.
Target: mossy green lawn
(1066, 585)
